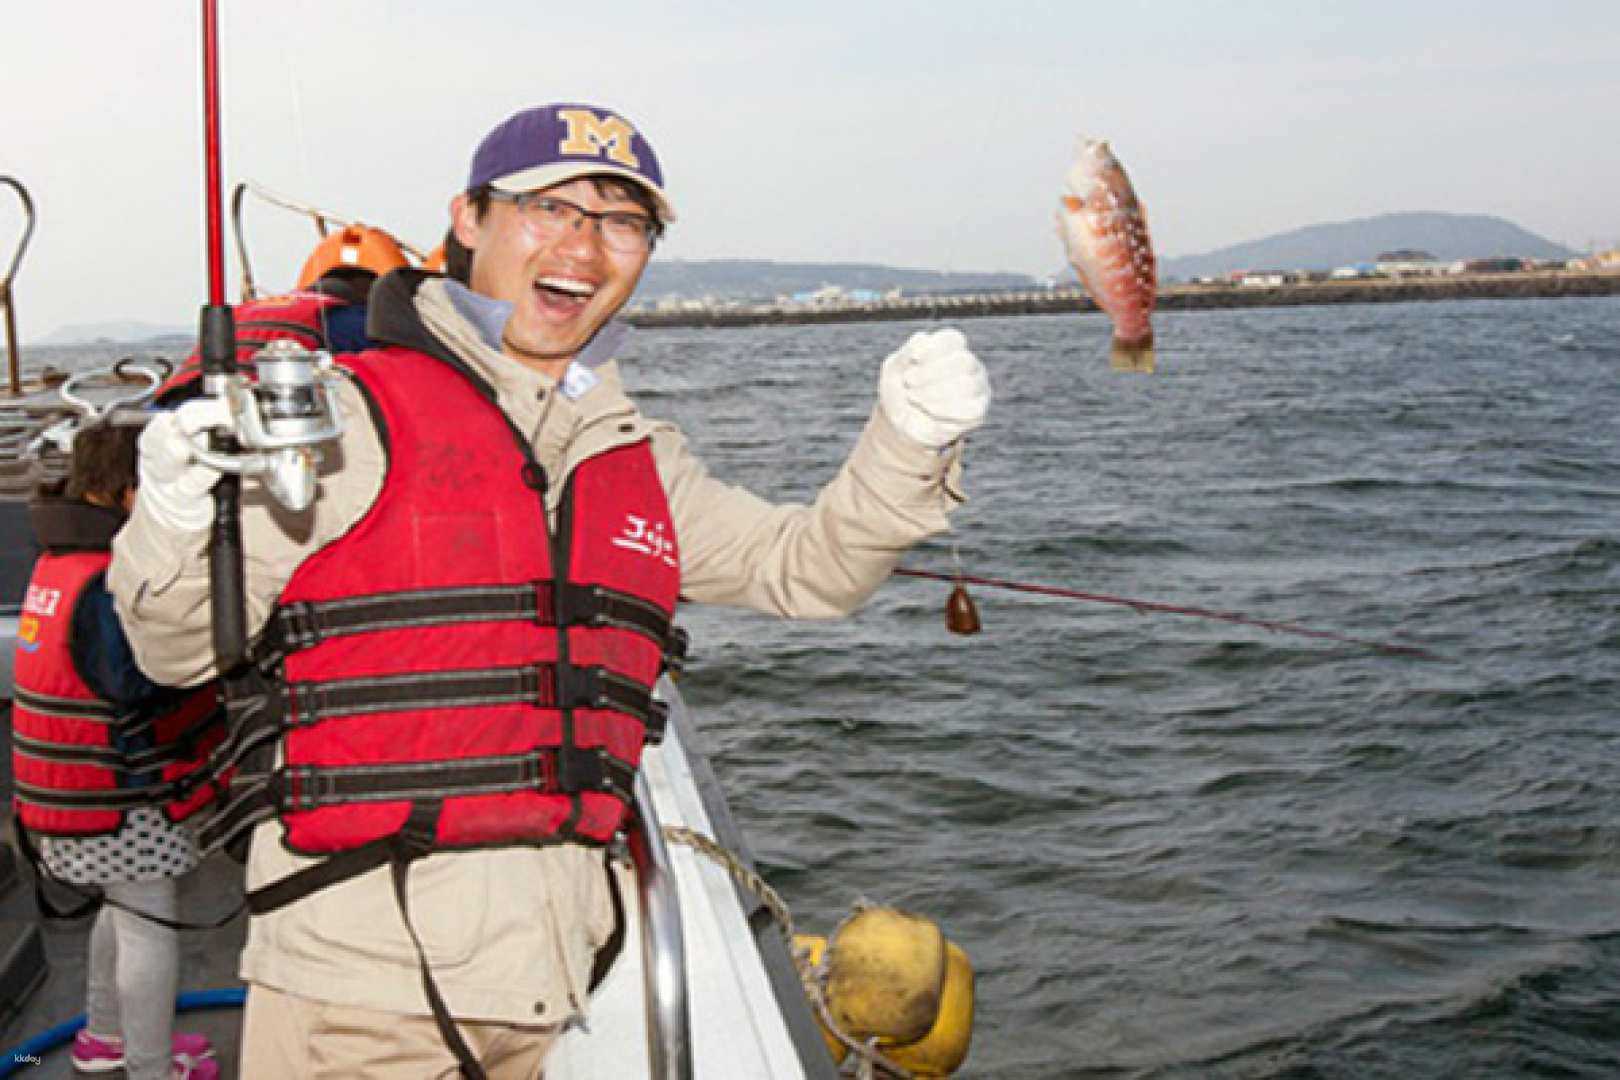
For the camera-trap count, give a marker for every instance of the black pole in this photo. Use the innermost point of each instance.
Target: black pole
(217, 345)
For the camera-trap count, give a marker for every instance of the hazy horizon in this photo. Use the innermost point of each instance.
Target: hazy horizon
(932, 136)
(140, 332)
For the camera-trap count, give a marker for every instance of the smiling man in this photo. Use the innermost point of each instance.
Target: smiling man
(456, 645)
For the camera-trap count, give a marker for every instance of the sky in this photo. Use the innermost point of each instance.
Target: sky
(920, 134)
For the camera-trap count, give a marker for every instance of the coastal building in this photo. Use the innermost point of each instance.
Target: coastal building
(1602, 260)
(1503, 264)
(1409, 263)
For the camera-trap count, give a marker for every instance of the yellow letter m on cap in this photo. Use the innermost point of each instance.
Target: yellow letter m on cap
(590, 134)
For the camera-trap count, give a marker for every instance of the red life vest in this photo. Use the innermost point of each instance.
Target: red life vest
(449, 654)
(300, 316)
(75, 773)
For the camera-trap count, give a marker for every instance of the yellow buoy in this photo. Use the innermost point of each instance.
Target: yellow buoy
(815, 947)
(886, 975)
(942, 1051)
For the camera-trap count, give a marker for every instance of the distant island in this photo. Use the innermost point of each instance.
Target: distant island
(725, 291)
(1444, 237)
(116, 332)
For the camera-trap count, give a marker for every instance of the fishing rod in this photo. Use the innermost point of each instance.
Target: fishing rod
(1144, 607)
(217, 346)
(278, 421)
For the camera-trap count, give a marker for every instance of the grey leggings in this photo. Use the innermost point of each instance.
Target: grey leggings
(134, 971)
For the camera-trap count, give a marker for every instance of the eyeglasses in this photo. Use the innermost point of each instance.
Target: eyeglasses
(546, 216)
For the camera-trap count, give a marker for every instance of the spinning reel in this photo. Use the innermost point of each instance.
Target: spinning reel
(280, 420)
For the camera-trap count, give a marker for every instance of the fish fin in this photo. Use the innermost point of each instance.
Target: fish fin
(1131, 358)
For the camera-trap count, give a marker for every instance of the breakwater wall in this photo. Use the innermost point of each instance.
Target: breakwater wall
(1171, 298)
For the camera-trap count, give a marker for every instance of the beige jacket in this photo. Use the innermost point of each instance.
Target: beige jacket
(510, 934)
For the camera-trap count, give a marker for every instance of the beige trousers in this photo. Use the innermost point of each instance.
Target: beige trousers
(288, 1037)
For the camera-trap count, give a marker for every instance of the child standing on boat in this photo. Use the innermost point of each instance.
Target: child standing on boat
(85, 718)
(456, 645)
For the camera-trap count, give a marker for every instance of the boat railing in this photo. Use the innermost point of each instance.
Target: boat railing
(323, 219)
(663, 945)
(13, 359)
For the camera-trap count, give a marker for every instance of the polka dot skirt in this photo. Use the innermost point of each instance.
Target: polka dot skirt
(146, 848)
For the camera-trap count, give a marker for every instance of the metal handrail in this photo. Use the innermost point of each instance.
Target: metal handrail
(14, 360)
(323, 220)
(663, 946)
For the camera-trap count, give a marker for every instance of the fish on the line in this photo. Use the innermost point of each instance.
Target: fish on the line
(1105, 232)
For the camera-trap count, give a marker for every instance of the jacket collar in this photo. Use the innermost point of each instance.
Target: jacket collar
(65, 525)
(393, 319)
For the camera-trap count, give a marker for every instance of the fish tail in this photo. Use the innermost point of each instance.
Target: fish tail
(1135, 355)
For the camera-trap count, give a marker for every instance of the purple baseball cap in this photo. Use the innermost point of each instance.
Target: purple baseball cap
(551, 144)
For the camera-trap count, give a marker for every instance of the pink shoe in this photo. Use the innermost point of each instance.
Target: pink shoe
(97, 1053)
(187, 1067)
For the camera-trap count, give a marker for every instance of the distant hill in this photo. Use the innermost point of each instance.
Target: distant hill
(1322, 247)
(118, 332)
(753, 279)
(1316, 247)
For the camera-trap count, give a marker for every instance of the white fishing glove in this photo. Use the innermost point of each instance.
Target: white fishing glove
(175, 487)
(934, 389)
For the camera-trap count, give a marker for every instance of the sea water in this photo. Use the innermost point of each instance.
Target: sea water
(1183, 848)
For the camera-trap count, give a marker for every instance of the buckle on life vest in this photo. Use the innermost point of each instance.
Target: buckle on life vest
(584, 769)
(580, 687)
(676, 645)
(298, 788)
(297, 627)
(579, 605)
(288, 630)
(420, 832)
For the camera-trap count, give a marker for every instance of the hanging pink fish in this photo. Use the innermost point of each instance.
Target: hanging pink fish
(1106, 234)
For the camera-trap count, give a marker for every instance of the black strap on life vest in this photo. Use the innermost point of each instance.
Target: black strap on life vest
(566, 770)
(91, 710)
(122, 762)
(304, 624)
(106, 757)
(132, 762)
(603, 961)
(295, 788)
(550, 686)
(414, 840)
(260, 710)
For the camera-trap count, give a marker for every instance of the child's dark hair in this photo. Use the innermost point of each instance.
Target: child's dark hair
(103, 462)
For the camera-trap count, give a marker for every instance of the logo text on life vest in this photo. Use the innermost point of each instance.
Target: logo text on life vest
(39, 602)
(648, 541)
(42, 601)
(592, 134)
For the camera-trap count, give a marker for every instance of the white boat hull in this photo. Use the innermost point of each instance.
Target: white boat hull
(739, 1029)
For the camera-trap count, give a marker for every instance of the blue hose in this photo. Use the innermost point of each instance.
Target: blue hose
(51, 1038)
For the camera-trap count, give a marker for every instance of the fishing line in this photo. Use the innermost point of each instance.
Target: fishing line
(961, 614)
(302, 133)
(1144, 607)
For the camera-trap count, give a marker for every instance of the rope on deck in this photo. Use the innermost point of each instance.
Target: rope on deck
(810, 976)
